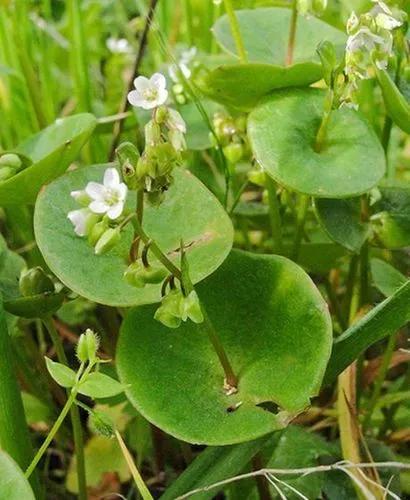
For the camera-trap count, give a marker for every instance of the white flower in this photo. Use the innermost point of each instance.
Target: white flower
(109, 197)
(384, 16)
(82, 220)
(149, 93)
(118, 45)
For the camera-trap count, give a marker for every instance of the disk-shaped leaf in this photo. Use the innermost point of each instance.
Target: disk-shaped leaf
(391, 223)
(276, 330)
(265, 32)
(283, 131)
(189, 211)
(13, 484)
(341, 220)
(243, 85)
(51, 151)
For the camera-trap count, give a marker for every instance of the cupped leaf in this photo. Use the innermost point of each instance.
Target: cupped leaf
(265, 32)
(391, 222)
(98, 385)
(342, 222)
(13, 484)
(243, 85)
(189, 212)
(398, 107)
(276, 330)
(11, 265)
(51, 151)
(283, 131)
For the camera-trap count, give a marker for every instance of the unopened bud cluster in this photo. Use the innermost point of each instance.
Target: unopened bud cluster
(182, 71)
(231, 134)
(10, 165)
(35, 281)
(311, 7)
(176, 307)
(87, 346)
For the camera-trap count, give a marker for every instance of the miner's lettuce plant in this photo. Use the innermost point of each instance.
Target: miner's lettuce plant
(205, 228)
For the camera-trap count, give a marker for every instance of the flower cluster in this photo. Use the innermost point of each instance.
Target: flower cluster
(176, 307)
(311, 7)
(102, 207)
(370, 40)
(164, 138)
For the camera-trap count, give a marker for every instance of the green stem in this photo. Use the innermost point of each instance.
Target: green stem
(381, 375)
(142, 488)
(274, 215)
(207, 326)
(300, 224)
(385, 139)
(14, 435)
(57, 424)
(159, 254)
(236, 33)
(292, 34)
(327, 113)
(75, 415)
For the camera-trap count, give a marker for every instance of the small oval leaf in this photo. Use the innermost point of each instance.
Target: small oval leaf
(98, 385)
(62, 374)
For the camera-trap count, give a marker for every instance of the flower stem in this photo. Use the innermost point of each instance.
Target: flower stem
(159, 254)
(209, 329)
(302, 210)
(75, 415)
(236, 33)
(292, 34)
(274, 214)
(327, 112)
(142, 488)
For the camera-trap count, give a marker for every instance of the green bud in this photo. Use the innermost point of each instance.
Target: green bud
(128, 157)
(109, 239)
(152, 133)
(257, 177)
(87, 346)
(169, 312)
(11, 160)
(191, 308)
(35, 281)
(161, 114)
(97, 231)
(101, 423)
(233, 152)
(167, 319)
(137, 275)
(6, 173)
(177, 139)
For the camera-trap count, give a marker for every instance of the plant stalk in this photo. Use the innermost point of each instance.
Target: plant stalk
(75, 414)
(236, 33)
(292, 34)
(303, 206)
(274, 214)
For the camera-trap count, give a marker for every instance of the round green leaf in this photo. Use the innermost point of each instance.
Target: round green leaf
(276, 330)
(51, 151)
(341, 221)
(283, 129)
(13, 484)
(243, 85)
(265, 32)
(189, 211)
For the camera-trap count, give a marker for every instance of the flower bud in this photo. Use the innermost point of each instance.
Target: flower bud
(11, 160)
(35, 281)
(97, 231)
(128, 158)
(257, 177)
(177, 139)
(87, 346)
(233, 152)
(137, 275)
(109, 239)
(161, 114)
(6, 173)
(152, 133)
(101, 423)
(191, 308)
(169, 312)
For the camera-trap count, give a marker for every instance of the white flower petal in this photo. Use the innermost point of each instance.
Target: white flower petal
(79, 220)
(95, 190)
(162, 97)
(122, 191)
(111, 178)
(135, 98)
(176, 121)
(115, 210)
(159, 81)
(99, 207)
(76, 194)
(142, 83)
